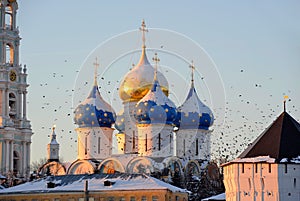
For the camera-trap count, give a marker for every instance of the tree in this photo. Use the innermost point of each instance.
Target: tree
(35, 165)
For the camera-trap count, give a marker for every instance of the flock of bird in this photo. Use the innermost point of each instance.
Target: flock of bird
(245, 117)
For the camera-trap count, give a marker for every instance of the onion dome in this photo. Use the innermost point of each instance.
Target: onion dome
(94, 111)
(193, 114)
(139, 80)
(120, 122)
(155, 106)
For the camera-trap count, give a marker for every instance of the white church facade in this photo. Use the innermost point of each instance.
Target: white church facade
(15, 128)
(146, 128)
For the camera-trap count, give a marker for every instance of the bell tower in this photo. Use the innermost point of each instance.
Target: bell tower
(15, 128)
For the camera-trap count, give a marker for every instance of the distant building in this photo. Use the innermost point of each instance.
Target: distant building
(53, 166)
(269, 169)
(95, 187)
(15, 128)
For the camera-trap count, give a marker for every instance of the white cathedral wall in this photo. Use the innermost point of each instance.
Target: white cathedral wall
(261, 181)
(131, 143)
(120, 143)
(155, 140)
(186, 144)
(94, 142)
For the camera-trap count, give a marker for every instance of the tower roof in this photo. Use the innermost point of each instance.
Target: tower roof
(280, 140)
(53, 136)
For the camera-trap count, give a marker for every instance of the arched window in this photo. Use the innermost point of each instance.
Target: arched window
(16, 162)
(197, 147)
(12, 105)
(159, 142)
(85, 145)
(8, 17)
(184, 147)
(9, 54)
(99, 145)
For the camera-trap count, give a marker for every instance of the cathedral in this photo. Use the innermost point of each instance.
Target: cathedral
(154, 136)
(15, 128)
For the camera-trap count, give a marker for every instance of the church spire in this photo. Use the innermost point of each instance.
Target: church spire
(192, 66)
(156, 60)
(53, 136)
(143, 59)
(284, 102)
(53, 147)
(143, 29)
(96, 65)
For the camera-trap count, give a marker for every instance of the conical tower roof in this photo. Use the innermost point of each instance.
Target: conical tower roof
(280, 140)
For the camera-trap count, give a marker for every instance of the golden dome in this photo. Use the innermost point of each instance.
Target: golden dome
(139, 80)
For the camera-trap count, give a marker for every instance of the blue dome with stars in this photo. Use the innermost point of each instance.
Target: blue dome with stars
(193, 114)
(155, 107)
(94, 111)
(120, 122)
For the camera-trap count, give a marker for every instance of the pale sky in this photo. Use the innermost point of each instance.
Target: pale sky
(255, 46)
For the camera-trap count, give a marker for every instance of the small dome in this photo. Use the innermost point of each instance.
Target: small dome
(193, 114)
(139, 80)
(155, 107)
(120, 122)
(94, 111)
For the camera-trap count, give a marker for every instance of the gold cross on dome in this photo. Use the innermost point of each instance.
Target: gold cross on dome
(96, 65)
(156, 60)
(143, 29)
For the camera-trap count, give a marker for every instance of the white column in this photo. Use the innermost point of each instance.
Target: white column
(18, 102)
(28, 156)
(4, 157)
(24, 104)
(11, 155)
(24, 158)
(7, 152)
(14, 13)
(2, 16)
(6, 101)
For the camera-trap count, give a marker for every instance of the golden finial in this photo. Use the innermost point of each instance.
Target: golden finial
(143, 29)
(96, 65)
(192, 66)
(53, 127)
(156, 60)
(284, 101)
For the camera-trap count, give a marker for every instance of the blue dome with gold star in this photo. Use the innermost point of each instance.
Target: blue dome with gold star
(94, 111)
(155, 107)
(193, 114)
(120, 122)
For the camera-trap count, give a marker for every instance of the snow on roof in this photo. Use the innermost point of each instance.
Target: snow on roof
(296, 160)
(258, 159)
(121, 181)
(221, 196)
